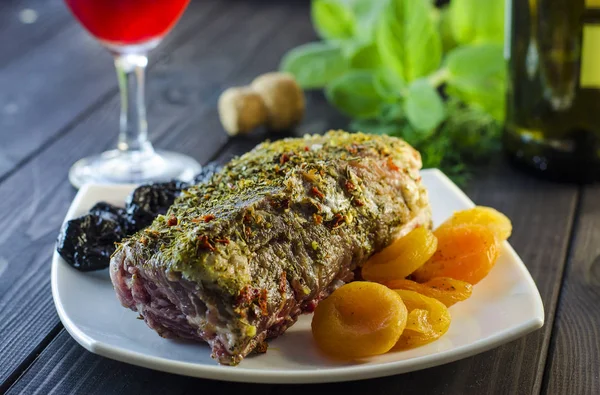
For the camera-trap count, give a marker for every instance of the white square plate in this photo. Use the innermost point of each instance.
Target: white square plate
(503, 307)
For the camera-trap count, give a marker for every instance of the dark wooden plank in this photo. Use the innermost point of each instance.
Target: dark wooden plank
(574, 360)
(66, 75)
(183, 91)
(66, 368)
(27, 24)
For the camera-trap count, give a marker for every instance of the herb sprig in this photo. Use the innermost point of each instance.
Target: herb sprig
(434, 76)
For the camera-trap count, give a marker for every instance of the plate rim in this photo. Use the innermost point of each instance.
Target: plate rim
(289, 376)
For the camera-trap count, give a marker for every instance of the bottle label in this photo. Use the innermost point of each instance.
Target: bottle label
(589, 76)
(592, 3)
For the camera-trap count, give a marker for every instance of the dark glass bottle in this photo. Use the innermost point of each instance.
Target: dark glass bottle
(553, 94)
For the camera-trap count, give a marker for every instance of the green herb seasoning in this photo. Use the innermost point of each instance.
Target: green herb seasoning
(289, 220)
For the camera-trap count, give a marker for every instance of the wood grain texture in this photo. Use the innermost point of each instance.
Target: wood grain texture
(183, 91)
(64, 76)
(27, 24)
(67, 368)
(574, 359)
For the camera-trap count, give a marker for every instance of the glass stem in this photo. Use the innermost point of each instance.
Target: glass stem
(133, 134)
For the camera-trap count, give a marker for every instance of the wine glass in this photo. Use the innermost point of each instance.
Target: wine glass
(129, 29)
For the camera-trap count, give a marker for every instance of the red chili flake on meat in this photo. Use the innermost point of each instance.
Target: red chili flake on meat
(310, 306)
(284, 158)
(208, 218)
(338, 220)
(282, 282)
(261, 347)
(245, 296)
(359, 202)
(262, 302)
(392, 165)
(247, 231)
(172, 221)
(350, 186)
(318, 219)
(205, 243)
(283, 203)
(315, 191)
(224, 240)
(247, 217)
(352, 149)
(306, 148)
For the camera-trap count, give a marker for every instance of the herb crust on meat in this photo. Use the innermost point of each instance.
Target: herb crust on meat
(237, 259)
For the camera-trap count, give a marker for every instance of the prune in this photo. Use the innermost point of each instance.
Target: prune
(87, 242)
(107, 210)
(113, 213)
(206, 173)
(148, 201)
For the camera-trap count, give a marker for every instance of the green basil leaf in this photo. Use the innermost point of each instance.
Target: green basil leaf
(423, 106)
(389, 85)
(408, 39)
(314, 65)
(333, 19)
(413, 136)
(477, 21)
(367, 14)
(477, 76)
(364, 56)
(393, 112)
(354, 94)
(445, 29)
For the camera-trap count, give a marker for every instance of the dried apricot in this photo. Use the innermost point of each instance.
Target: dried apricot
(446, 290)
(498, 223)
(465, 252)
(428, 319)
(358, 320)
(402, 257)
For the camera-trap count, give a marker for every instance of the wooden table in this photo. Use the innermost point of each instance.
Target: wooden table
(59, 102)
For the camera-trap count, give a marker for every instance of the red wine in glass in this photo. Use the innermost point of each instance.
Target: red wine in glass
(129, 29)
(127, 22)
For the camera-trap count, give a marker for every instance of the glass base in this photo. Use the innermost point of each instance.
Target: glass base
(117, 167)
